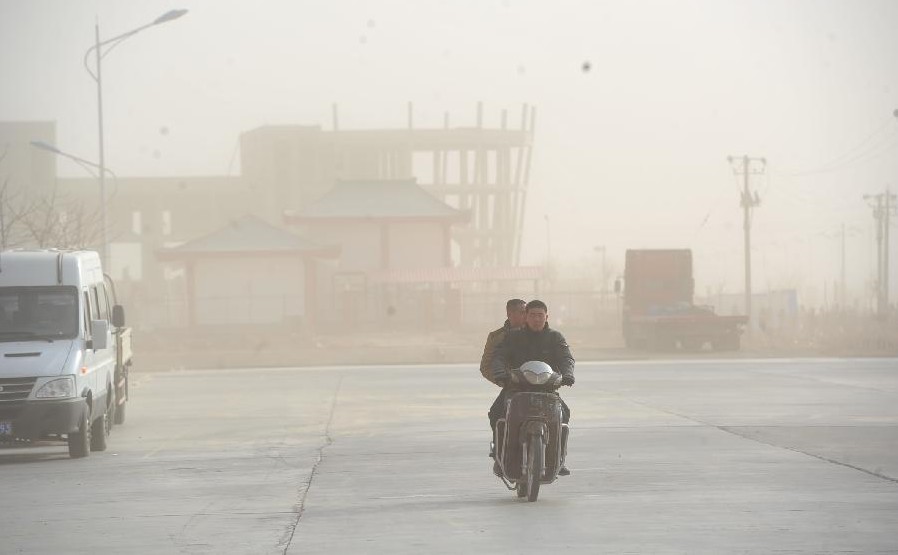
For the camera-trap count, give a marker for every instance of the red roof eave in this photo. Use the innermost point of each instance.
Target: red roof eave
(456, 275)
(174, 254)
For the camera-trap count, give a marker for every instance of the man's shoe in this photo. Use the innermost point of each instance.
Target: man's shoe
(563, 471)
(497, 470)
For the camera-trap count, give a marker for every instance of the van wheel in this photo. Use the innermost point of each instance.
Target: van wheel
(119, 414)
(121, 394)
(99, 432)
(79, 442)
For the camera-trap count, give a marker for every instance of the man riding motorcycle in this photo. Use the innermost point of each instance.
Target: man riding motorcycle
(535, 341)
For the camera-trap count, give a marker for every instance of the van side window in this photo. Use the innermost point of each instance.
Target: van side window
(95, 304)
(102, 302)
(86, 313)
(110, 301)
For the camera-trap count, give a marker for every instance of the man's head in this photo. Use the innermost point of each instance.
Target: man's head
(537, 313)
(517, 315)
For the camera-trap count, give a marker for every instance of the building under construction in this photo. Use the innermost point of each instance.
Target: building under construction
(482, 171)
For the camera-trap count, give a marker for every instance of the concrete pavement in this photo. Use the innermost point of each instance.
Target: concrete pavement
(735, 456)
(685, 457)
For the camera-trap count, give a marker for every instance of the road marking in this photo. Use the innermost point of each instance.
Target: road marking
(422, 495)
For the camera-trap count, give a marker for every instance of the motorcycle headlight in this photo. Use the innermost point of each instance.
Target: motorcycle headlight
(57, 389)
(537, 379)
(536, 372)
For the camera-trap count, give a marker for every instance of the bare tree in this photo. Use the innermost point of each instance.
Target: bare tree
(58, 221)
(14, 209)
(51, 221)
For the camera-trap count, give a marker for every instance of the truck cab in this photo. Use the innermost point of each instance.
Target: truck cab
(60, 365)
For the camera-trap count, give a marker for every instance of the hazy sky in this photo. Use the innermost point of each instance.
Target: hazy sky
(631, 153)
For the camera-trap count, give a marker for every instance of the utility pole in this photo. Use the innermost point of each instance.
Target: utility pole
(885, 249)
(883, 207)
(602, 249)
(842, 275)
(749, 165)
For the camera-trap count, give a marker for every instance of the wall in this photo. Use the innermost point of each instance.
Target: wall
(249, 291)
(360, 243)
(417, 245)
(27, 168)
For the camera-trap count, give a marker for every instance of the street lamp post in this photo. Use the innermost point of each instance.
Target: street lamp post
(97, 48)
(86, 164)
(602, 289)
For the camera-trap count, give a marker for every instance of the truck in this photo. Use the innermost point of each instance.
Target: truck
(65, 352)
(658, 309)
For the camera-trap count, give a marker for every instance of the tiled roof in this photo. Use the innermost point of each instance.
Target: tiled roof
(379, 199)
(248, 235)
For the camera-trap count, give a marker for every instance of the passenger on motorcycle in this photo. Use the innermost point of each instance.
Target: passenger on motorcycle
(535, 341)
(516, 317)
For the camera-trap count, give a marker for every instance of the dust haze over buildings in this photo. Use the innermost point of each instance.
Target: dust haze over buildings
(635, 105)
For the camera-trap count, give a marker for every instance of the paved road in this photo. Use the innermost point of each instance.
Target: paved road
(667, 457)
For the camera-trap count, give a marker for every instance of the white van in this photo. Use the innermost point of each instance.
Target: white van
(58, 359)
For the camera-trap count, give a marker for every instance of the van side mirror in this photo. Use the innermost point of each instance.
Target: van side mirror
(100, 334)
(118, 316)
(617, 287)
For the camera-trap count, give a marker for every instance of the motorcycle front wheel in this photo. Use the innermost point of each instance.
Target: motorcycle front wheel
(535, 453)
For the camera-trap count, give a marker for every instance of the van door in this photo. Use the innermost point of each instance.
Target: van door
(103, 361)
(87, 376)
(107, 373)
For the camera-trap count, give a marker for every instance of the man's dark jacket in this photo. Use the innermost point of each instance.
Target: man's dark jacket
(546, 345)
(493, 340)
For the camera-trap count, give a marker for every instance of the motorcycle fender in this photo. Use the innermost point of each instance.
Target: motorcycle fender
(535, 427)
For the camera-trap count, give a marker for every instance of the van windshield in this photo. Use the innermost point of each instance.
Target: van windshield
(28, 313)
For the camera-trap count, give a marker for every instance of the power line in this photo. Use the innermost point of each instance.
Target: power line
(871, 154)
(857, 153)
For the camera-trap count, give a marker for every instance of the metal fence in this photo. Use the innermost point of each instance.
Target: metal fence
(422, 309)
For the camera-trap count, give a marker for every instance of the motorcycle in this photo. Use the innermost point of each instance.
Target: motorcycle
(531, 440)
